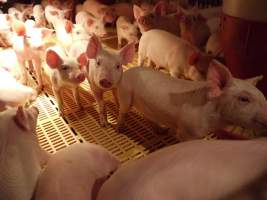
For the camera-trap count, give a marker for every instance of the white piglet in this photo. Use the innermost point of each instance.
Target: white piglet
(64, 71)
(193, 108)
(52, 14)
(76, 172)
(126, 30)
(21, 157)
(194, 170)
(90, 23)
(105, 70)
(178, 56)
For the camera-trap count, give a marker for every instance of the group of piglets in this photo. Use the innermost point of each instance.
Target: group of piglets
(193, 170)
(28, 172)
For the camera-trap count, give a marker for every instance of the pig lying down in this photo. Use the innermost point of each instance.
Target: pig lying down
(193, 108)
(105, 70)
(195, 170)
(21, 157)
(75, 172)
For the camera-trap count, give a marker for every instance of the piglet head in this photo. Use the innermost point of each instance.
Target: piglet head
(96, 26)
(108, 14)
(69, 69)
(106, 64)
(239, 102)
(18, 27)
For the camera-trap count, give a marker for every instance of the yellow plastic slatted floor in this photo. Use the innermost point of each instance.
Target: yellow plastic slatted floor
(57, 132)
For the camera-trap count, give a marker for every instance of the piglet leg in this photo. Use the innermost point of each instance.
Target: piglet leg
(24, 77)
(101, 105)
(38, 70)
(77, 98)
(57, 94)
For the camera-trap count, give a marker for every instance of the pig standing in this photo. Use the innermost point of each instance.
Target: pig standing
(64, 71)
(75, 172)
(12, 93)
(100, 11)
(28, 46)
(21, 157)
(181, 58)
(194, 170)
(126, 30)
(193, 108)
(90, 23)
(39, 15)
(53, 14)
(105, 71)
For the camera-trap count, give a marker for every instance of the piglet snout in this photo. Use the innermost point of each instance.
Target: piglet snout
(80, 77)
(105, 83)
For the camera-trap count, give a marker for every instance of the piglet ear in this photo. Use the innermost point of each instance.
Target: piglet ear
(21, 119)
(68, 26)
(254, 80)
(160, 8)
(193, 58)
(218, 77)
(46, 32)
(138, 12)
(19, 28)
(90, 21)
(53, 60)
(53, 13)
(82, 59)
(127, 53)
(93, 47)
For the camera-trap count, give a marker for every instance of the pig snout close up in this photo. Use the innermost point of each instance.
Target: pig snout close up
(193, 108)
(64, 71)
(105, 70)
(195, 170)
(76, 172)
(21, 157)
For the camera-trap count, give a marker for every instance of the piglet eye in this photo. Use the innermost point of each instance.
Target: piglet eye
(98, 62)
(243, 99)
(64, 67)
(118, 66)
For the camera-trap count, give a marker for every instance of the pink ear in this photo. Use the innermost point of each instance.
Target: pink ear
(68, 26)
(53, 60)
(82, 59)
(21, 119)
(93, 47)
(138, 12)
(90, 22)
(193, 58)
(19, 28)
(160, 8)
(53, 13)
(218, 77)
(127, 53)
(46, 32)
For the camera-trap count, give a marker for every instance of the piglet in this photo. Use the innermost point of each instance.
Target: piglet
(100, 11)
(16, 14)
(12, 93)
(52, 14)
(105, 70)
(90, 23)
(29, 46)
(26, 9)
(21, 157)
(64, 71)
(193, 108)
(63, 29)
(156, 19)
(181, 58)
(76, 172)
(214, 46)
(194, 170)
(39, 15)
(126, 30)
